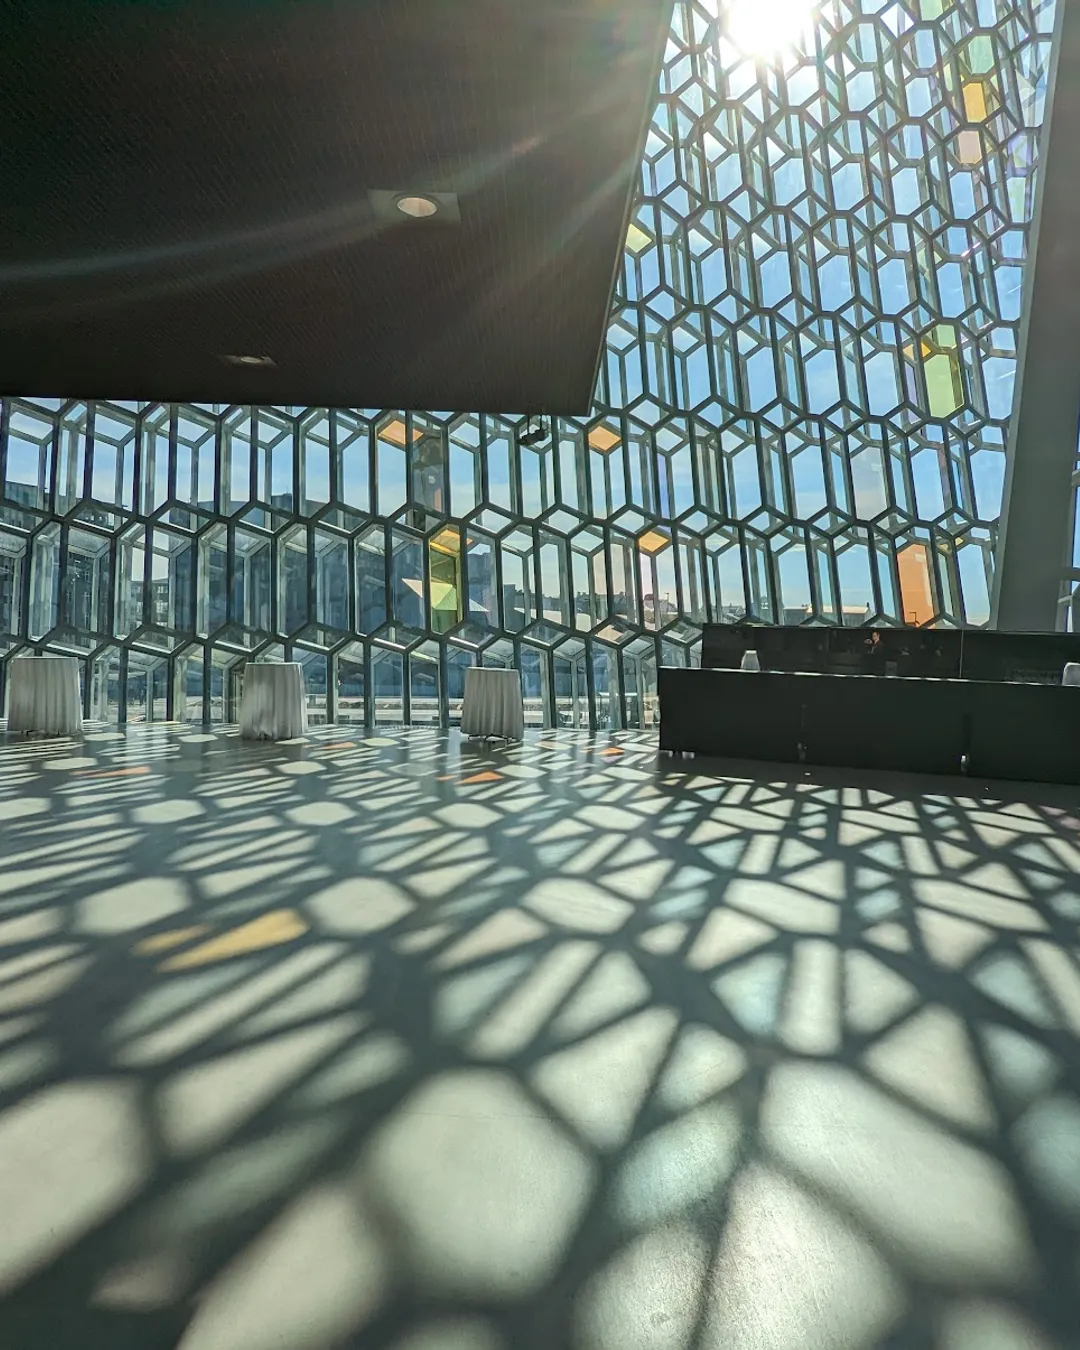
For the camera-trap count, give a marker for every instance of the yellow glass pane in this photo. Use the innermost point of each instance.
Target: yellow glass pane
(447, 541)
(653, 541)
(444, 580)
(603, 439)
(916, 592)
(976, 107)
(636, 239)
(394, 432)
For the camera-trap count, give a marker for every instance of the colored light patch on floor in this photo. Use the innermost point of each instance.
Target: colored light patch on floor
(134, 772)
(163, 942)
(489, 776)
(269, 930)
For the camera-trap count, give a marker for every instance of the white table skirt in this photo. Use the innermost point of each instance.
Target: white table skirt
(273, 706)
(493, 704)
(43, 695)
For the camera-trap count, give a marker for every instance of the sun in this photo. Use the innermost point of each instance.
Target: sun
(766, 27)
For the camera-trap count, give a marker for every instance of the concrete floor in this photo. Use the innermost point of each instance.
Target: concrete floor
(397, 1041)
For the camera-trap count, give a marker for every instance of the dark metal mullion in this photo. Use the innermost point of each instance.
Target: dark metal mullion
(875, 580)
(312, 578)
(86, 664)
(406, 688)
(497, 568)
(253, 466)
(222, 467)
(62, 572)
(337, 471)
(658, 657)
(352, 589)
(118, 477)
(5, 430)
(331, 660)
(556, 463)
(25, 586)
(137, 467)
(174, 437)
(905, 472)
(107, 606)
(230, 572)
(425, 580)
(207, 684)
(547, 687)
(53, 466)
(652, 468)
(299, 471)
(564, 553)
(277, 618)
(772, 572)
(388, 572)
(408, 450)
(444, 685)
(515, 644)
(936, 566)
(817, 608)
(609, 571)
(538, 577)
(88, 453)
(463, 573)
(744, 560)
(616, 660)
(709, 584)
(590, 683)
(369, 687)
(122, 690)
(171, 675)
(480, 454)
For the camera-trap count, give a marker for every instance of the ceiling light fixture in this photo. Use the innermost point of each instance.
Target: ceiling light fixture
(241, 359)
(416, 206)
(533, 434)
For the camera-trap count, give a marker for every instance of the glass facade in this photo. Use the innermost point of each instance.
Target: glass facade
(801, 417)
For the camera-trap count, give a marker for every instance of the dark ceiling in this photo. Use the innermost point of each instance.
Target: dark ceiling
(182, 182)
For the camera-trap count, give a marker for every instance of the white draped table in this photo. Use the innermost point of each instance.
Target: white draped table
(493, 705)
(43, 695)
(273, 706)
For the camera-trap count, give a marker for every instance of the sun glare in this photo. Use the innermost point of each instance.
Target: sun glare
(765, 27)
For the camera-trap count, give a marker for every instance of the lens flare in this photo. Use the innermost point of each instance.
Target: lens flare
(767, 27)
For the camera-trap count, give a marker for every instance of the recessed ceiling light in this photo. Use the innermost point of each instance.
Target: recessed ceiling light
(417, 207)
(241, 359)
(390, 205)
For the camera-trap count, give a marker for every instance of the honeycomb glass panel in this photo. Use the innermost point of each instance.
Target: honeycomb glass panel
(800, 414)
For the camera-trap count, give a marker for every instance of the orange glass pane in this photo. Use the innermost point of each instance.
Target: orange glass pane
(916, 591)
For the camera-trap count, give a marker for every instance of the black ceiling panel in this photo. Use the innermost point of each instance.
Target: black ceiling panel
(185, 182)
